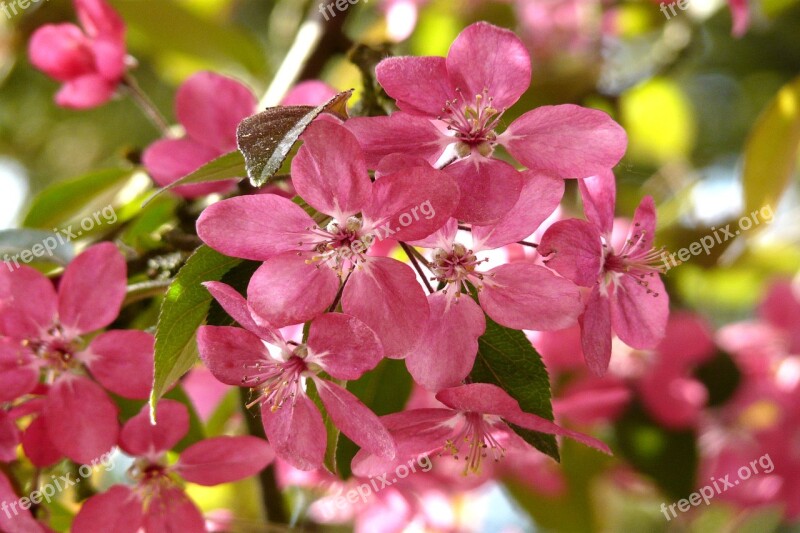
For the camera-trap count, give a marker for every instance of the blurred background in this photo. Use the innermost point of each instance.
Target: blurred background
(714, 126)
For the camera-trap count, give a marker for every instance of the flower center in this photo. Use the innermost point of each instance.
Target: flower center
(472, 122)
(146, 470)
(55, 350)
(275, 381)
(456, 268)
(636, 259)
(474, 442)
(341, 246)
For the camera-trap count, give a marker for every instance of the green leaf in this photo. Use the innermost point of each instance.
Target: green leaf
(333, 433)
(67, 201)
(25, 245)
(771, 150)
(667, 456)
(183, 310)
(170, 26)
(225, 167)
(385, 390)
(267, 138)
(507, 359)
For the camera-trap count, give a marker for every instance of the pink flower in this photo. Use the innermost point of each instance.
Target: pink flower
(451, 108)
(209, 107)
(627, 294)
(309, 92)
(306, 263)
(158, 502)
(473, 425)
(41, 335)
(15, 519)
(518, 295)
(90, 61)
(278, 371)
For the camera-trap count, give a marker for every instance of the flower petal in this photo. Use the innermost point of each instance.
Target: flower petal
(596, 332)
(85, 92)
(527, 296)
(291, 289)
(488, 189)
(309, 92)
(172, 510)
(230, 353)
(224, 460)
(81, 420)
(574, 249)
(385, 295)
(22, 520)
(99, 19)
(254, 227)
(331, 178)
(61, 51)
(296, 432)
(449, 343)
(19, 372)
(567, 141)
(484, 56)
(168, 160)
(420, 85)
(122, 361)
(639, 314)
(118, 509)
(38, 447)
(599, 195)
(355, 419)
(28, 303)
(399, 133)
(140, 438)
(343, 346)
(210, 108)
(92, 288)
(237, 307)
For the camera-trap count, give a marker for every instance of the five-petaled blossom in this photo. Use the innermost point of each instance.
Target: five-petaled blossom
(157, 501)
(89, 61)
(627, 293)
(41, 336)
(473, 424)
(277, 371)
(306, 263)
(452, 107)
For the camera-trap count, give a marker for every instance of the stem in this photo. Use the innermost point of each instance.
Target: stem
(271, 497)
(526, 243)
(338, 298)
(410, 253)
(146, 105)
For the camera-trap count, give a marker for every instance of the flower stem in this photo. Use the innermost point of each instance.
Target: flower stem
(146, 104)
(410, 252)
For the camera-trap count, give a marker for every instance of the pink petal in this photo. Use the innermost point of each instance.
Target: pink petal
(420, 85)
(527, 296)
(688, 341)
(411, 204)
(599, 195)
(539, 197)
(19, 520)
(237, 307)
(332, 181)
(484, 56)
(574, 249)
(224, 460)
(740, 12)
(355, 419)
(92, 289)
(567, 141)
(310, 92)
(85, 92)
(449, 343)
(488, 189)
(230, 353)
(674, 401)
(9, 439)
(291, 289)
(37, 445)
(109, 56)
(399, 133)
(168, 160)
(296, 432)
(118, 509)
(210, 108)
(596, 332)
(81, 420)
(140, 438)
(385, 295)
(644, 223)
(28, 303)
(99, 18)
(61, 51)
(122, 361)
(343, 346)
(254, 227)
(640, 318)
(170, 511)
(19, 372)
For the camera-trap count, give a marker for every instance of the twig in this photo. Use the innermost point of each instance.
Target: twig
(146, 105)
